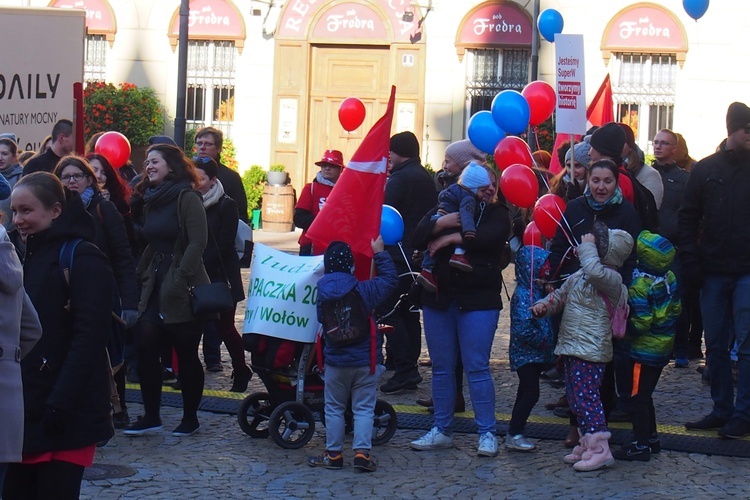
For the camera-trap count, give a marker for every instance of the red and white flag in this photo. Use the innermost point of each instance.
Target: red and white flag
(353, 209)
(601, 110)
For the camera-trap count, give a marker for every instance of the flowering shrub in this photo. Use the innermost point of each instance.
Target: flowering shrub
(135, 112)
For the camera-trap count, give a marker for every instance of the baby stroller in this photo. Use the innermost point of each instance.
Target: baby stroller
(289, 372)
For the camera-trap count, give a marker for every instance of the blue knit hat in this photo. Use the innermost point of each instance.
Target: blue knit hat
(338, 258)
(474, 177)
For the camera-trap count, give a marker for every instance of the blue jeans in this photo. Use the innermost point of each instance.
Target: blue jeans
(473, 331)
(725, 303)
(359, 385)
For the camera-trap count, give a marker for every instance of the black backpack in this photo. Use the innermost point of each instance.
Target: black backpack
(346, 321)
(645, 205)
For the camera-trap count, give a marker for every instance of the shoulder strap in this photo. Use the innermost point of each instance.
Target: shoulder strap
(65, 258)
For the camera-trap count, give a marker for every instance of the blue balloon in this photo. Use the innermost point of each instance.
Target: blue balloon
(391, 225)
(695, 8)
(483, 132)
(511, 111)
(550, 22)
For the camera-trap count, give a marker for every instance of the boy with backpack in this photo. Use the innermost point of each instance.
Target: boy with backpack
(352, 349)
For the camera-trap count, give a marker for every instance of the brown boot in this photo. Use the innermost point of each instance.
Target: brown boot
(573, 438)
(560, 403)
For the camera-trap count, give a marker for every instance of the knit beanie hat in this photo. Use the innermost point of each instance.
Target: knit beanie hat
(161, 139)
(655, 252)
(474, 177)
(609, 140)
(338, 258)
(463, 152)
(580, 153)
(405, 144)
(738, 115)
(9, 135)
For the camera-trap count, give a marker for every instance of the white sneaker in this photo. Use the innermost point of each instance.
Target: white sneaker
(487, 445)
(433, 440)
(518, 442)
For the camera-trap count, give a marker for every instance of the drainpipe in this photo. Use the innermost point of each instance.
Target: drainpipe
(534, 61)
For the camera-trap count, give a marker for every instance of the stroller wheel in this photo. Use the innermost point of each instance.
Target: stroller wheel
(384, 424)
(292, 425)
(254, 414)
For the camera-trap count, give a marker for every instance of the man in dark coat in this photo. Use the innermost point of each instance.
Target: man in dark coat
(714, 245)
(62, 145)
(208, 142)
(410, 190)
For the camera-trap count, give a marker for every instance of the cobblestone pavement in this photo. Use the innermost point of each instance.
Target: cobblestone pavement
(222, 462)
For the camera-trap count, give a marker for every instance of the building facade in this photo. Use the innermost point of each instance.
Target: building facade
(272, 73)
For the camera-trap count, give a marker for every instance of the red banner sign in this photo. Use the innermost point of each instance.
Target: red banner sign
(650, 28)
(349, 20)
(99, 16)
(217, 19)
(496, 23)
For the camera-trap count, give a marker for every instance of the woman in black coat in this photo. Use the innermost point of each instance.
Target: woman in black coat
(222, 262)
(112, 238)
(66, 375)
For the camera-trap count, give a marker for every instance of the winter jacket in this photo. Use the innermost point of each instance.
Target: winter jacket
(480, 289)
(717, 195)
(233, 188)
(112, 239)
(651, 180)
(186, 268)
(585, 330)
(68, 368)
(334, 286)
(580, 217)
(654, 302)
(531, 339)
(674, 179)
(410, 190)
(220, 257)
(311, 200)
(20, 332)
(12, 175)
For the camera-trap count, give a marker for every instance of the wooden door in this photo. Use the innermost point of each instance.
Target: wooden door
(338, 72)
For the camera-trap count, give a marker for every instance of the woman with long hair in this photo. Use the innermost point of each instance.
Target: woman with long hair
(66, 375)
(175, 229)
(114, 189)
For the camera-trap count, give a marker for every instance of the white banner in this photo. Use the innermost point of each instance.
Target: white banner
(282, 295)
(571, 85)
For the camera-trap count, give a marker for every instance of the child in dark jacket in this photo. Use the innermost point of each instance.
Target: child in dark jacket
(352, 371)
(654, 307)
(531, 340)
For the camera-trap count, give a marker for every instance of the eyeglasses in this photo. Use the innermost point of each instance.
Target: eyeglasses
(663, 143)
(75, 177)
(202, 159)
(200, 144)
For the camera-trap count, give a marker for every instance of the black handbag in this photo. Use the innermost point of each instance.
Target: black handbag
(209, 300)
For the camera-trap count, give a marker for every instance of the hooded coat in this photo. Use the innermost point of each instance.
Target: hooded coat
(531, 339)
(68, 369)
(20, 332)
(585, 329)
(335, 285)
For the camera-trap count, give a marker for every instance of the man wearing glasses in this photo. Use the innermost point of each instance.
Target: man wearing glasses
(715, 252)
(313, 196)
(208, 142)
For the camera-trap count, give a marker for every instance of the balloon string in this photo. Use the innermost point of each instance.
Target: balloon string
(567, 236)
(413, 276)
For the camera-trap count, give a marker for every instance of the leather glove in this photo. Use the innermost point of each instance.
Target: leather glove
(129, 316)
(54, 420)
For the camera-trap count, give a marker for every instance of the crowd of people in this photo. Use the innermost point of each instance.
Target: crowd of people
(87, 248)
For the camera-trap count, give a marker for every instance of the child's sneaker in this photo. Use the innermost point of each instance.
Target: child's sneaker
(487, 445)
(427, 280)
(364, 462)
(633, 451)
(461, 263)
(654, 444)
(518, 443)
(327, 460)
(433, 440)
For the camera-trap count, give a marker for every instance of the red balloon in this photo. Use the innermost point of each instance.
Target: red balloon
(519, 185)
(541, 98)
(532, 236)
(351, 113)
(511, 151)
(115, 147)
(548, 211)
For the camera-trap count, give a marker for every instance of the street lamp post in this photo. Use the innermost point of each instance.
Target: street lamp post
(179, 120)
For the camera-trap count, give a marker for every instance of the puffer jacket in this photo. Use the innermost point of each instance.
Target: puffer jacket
(654, 302)
(333, 286)
(585, 330)
(531, 339)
